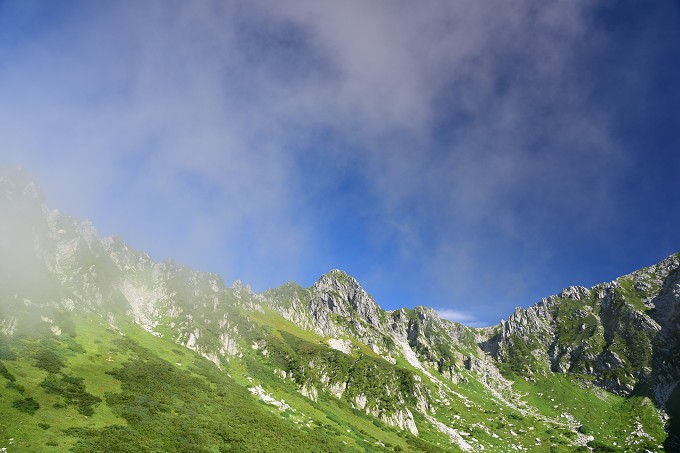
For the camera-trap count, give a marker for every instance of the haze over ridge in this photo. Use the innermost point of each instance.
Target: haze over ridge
(455, 155)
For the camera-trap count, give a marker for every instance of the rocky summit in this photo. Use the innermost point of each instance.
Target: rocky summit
(104, 349)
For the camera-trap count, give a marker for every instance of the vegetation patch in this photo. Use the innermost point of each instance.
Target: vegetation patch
(170, 409)
(27, 405)
(49, 361)
(72, 389)
(4, 372)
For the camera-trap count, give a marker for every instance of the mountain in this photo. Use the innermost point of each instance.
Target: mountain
(104, 349)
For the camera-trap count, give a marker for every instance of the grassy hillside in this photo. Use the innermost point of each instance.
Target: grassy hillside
(99, 390)
(103, 389)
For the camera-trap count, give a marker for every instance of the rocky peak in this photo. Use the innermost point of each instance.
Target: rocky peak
(238, 286)
(574, 292)
(344, 296)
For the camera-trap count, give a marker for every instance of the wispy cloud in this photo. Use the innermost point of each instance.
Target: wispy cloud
(461, 317)
(450, 142)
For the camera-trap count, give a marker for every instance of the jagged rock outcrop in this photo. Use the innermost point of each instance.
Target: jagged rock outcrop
(666, 344)
(340, 294)
(621, 332)
(337, 306)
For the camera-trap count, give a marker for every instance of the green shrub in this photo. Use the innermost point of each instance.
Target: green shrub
(49, 361)
(27, 405)
(5, 352)
(14, 386)
(72, 390)
(4, 372)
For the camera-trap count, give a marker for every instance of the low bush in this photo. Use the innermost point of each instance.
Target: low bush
(27, 405)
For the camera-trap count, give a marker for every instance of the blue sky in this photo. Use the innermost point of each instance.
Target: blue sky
(470, 156)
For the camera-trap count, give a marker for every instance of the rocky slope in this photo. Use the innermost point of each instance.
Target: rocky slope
(332, 345)
(623, 333)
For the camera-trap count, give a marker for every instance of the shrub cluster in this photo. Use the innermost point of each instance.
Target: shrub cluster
(27, 405)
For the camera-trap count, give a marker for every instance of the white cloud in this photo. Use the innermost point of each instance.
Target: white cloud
(461, 317)
(186, 126)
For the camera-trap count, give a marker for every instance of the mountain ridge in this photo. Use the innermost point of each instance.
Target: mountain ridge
(407, 368)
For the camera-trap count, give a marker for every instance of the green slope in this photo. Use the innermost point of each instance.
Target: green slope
(100, 390)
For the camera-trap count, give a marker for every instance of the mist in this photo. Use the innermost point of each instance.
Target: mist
(446, 154)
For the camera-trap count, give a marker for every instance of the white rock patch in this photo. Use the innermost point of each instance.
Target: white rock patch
(268, 398)
(340, 345)
(451, 432)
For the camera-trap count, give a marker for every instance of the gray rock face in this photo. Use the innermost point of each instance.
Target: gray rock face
(337, 306)
(624, 332)
(336, 293)
(343, 296)
(666, 344)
